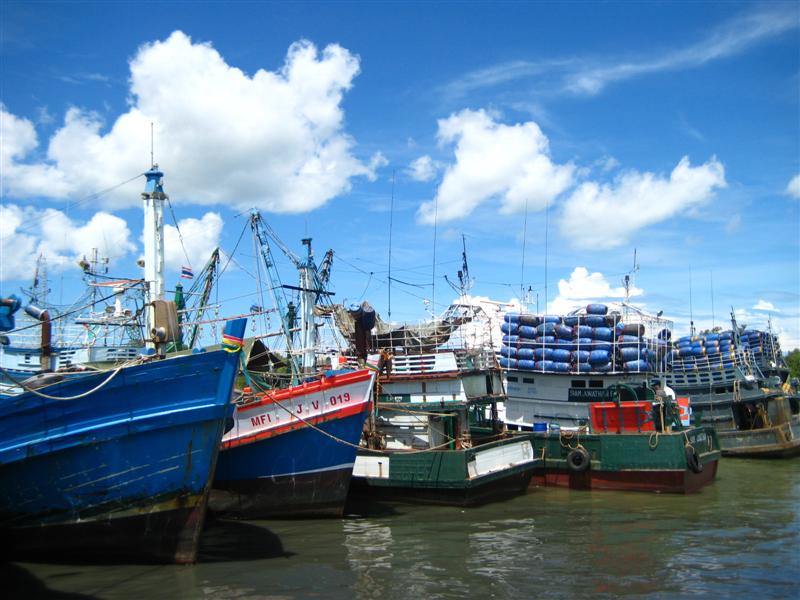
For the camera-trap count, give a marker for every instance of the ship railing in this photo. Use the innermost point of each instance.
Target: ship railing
(68, 334)
(482, 359)
(442, 361)
(714, 369)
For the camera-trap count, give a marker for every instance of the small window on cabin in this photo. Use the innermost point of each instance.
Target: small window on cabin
(578, 383)
(528, 380)
(514, 379)
(597, 383)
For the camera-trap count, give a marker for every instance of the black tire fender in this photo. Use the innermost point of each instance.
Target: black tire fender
(693, 460)
(578, 460)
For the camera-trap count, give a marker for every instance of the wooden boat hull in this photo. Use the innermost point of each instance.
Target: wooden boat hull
(159, 533)
(449, 477)
(124, 471)
(778, 441)
(629, 461)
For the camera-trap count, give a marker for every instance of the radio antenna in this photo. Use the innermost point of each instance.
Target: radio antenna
(391, 218)
(691, 313)
(522, 296)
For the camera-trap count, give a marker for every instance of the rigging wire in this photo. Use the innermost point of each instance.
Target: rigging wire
(62, 315)
(383, 281)
(230, 256)
(180, 235)
(391, 219)
(44, 216)
(435, 228)
(369, 281)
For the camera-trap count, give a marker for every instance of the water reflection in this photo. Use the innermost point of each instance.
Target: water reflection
(738, 538)
(369, 556)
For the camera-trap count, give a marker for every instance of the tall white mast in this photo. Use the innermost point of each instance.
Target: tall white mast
(153, 198)
(308, 327)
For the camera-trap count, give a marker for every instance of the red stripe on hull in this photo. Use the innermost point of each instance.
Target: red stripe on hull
(346, 411)
(668, 481)
(312, 387)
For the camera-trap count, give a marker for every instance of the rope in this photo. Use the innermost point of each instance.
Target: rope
(688, 443)
(345, 442)
(108, 379)
(305, 421)
(391, 406)
(419, 451)
(568, 435)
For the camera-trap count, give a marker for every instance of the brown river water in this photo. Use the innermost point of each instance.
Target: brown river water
(739, 538)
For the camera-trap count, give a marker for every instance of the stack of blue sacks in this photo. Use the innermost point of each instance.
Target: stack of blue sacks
(691, 352)
(763, 344)
(595, 342)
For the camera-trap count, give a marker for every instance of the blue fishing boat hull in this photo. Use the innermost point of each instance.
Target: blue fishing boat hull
(123, 471)
(299, 473)
(291, 452)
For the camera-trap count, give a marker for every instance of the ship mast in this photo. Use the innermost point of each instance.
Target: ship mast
(308, 327)
(153, 198)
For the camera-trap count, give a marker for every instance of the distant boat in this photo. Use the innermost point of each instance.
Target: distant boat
(738, 384)
(117, 463)
(101, 328)
(47, 341)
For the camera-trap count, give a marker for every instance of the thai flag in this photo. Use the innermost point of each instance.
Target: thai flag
(186, 273)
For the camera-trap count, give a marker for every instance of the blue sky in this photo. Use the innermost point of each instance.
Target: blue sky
(671, 128)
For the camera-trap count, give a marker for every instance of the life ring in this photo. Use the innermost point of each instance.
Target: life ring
(692, 459)
(578, 460)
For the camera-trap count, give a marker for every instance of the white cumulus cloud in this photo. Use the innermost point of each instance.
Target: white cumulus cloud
(19, 138)
(793, 189)
(510, 163)
(273, 139)
(764, 305)
(26, 232)
(423, 168)
(786, 327)
(200, 238)
(582, 287)
(604, 215)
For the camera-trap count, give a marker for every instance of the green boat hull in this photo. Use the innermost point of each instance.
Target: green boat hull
(629, 461)
(446, 477)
